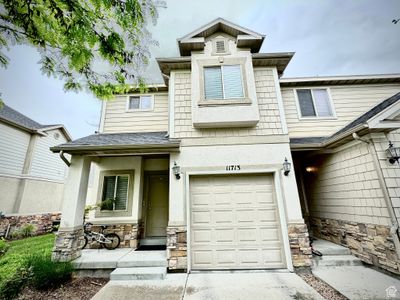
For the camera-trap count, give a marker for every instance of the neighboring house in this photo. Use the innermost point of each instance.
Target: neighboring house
(31, 176)
(199, 163)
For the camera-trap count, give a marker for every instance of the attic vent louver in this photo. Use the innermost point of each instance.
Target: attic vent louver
(220, 47)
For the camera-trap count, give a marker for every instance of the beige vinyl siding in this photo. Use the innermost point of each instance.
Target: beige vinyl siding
(349, 102)
(118, 119)
(269, 124)
(46, 164)
(346, 187)
(13, 146)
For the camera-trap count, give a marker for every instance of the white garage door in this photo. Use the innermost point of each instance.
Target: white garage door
(235, 223)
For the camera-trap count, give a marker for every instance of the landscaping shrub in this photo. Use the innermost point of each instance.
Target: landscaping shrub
(3, 246)
(11, 287)
(46, 273)
(24, 231)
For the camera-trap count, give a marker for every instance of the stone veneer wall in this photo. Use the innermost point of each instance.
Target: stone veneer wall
(177, 248)
(128, 233)
(371, 243)
(68, 244)
(43, 222)
(299, 245)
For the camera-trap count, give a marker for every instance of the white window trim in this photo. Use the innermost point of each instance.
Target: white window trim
(115, 191)
(316, 117)
(222, 79)
(127, 109)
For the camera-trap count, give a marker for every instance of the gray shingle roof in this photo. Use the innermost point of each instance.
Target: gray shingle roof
(12, 116)
(118, 139)
(369, 114)
(308, 140)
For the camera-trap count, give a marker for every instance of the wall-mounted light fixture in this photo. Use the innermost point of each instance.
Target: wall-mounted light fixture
(286, 167)
(393, 153)
(176, 170)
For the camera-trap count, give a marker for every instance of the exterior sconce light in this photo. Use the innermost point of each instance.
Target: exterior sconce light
(393, 153)
(176, 170)
(286, 167)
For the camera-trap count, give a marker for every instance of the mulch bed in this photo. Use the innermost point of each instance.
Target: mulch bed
(77, 289)
(322, 287)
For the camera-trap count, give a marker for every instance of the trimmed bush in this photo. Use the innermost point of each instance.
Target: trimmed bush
(47, 274)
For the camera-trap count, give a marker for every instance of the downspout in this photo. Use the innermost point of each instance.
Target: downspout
(65, 160)
(393, 220)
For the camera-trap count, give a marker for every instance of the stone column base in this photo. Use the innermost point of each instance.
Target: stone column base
(68, 244)
(299, 245)
(177, 248)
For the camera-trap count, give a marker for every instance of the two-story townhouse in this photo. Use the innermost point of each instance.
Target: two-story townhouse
(31, 176)
(218, 163)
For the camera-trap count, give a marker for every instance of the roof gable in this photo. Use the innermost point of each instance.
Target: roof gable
(245, 38)
(15, 118)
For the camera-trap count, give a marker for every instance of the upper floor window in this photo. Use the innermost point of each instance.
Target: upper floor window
(144, 102)
(115, 192)
(223, 82)
(314, 103)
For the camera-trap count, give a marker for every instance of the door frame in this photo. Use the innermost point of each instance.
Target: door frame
(145, 202)
(276, 174)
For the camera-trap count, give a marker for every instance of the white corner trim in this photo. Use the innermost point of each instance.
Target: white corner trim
(102, 116)
(280, 102)
(276, 172)
(171, 105)
(282, 217)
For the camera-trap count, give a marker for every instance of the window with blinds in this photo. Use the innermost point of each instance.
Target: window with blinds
(144, 102)
(314, 103)
(115, 192)
(223, 82)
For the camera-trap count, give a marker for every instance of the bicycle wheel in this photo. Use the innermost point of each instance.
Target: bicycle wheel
(112, 241)
(85, 242)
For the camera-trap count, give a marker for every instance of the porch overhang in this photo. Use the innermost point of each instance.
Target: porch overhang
(121, 144)
(384, 117)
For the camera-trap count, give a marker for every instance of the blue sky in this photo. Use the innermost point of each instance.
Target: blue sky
(330, 37)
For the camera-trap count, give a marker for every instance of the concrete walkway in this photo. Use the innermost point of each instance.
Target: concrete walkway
(246, 285)
(353, 281)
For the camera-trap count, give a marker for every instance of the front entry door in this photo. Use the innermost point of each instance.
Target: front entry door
(157, 205)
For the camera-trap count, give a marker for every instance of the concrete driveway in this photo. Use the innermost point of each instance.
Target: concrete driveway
(246, 285)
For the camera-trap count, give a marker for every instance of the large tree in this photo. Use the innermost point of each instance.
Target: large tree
(100, 45)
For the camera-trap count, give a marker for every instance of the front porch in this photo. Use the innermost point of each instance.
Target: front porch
(121, 263)
(128, 185)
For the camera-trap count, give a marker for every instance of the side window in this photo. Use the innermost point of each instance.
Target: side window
(223, 82)
(314, 103)
(115, 192)
(144, 102)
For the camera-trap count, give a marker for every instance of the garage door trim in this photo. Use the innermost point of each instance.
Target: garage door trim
(279, 199)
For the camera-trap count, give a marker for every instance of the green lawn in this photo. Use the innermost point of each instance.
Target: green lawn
(20, 250)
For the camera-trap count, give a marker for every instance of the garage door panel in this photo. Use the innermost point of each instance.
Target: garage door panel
(234, 223)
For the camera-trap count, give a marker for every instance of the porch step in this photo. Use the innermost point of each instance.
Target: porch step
(329, 248)
(143, 259)
(336, 260)
(153, 241)
(149, 273)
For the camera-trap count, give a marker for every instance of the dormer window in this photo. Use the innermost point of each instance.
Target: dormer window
(223, 82)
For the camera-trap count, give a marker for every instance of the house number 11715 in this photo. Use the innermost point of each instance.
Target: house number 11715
(232, 168)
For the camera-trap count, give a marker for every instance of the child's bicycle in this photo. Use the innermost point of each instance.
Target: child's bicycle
(109, 240)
